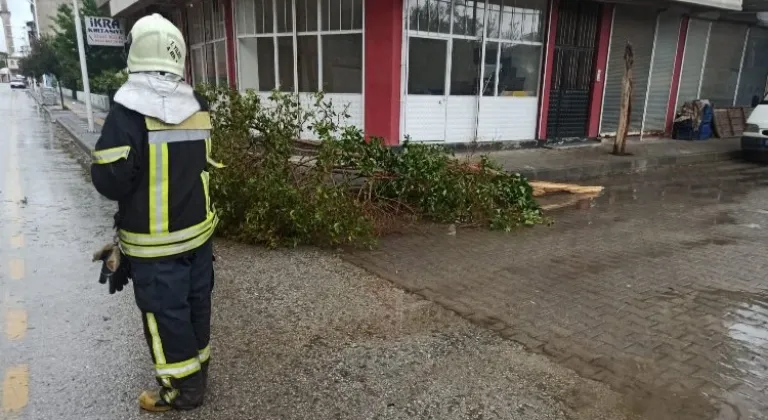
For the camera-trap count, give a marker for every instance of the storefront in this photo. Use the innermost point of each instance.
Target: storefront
(457, 71)
(303, 46)
(207, 38)
(472, 69)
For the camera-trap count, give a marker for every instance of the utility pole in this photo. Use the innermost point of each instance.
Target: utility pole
(83, 65)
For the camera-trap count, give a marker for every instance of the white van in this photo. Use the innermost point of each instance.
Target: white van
(755, 137)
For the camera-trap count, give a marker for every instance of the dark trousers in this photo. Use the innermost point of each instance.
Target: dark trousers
(175, 300)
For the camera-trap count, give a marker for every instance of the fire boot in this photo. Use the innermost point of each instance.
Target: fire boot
(188, 394)
(156, 401)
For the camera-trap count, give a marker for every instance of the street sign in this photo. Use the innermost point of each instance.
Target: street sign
(104, 31)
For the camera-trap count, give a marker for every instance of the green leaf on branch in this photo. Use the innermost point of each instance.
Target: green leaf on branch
(344, 189)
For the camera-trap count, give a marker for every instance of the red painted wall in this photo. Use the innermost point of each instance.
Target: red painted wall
(671, 104)
(546, 83)
(229, 29)
(383, 44)
(598, 75)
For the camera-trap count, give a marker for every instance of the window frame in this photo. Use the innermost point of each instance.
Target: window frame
(481, 36)
(318, 33)
(207, 24)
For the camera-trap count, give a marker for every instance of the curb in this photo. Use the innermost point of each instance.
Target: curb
(78, 141)
(580, 173)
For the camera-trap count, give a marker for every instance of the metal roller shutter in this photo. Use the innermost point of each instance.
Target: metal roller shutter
(665, 51)
(636, 25)
(721, 71)
(755, 70)
(693, 60)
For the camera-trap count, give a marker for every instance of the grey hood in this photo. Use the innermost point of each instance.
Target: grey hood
(162, 96)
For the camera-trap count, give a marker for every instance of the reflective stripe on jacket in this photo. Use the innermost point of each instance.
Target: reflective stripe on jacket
(157, 173)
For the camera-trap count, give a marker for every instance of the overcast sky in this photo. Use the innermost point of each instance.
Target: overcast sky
(20, 15)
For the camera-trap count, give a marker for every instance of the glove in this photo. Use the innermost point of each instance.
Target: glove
(115, 268)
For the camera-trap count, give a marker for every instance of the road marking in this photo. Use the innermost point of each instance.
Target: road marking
(17, 241)
(16, 389)
(15, 324)
(17, 268)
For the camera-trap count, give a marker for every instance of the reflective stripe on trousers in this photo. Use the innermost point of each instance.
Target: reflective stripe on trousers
(177, 370)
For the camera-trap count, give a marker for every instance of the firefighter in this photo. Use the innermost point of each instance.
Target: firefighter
(153, 157)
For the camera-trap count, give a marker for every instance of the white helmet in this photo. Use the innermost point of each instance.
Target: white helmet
(156, 45)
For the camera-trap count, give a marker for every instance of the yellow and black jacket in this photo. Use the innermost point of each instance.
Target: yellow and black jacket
(157, 173)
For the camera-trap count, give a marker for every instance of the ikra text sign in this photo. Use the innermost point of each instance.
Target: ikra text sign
(104, 31)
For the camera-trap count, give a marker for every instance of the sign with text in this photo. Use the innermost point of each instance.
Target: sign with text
(104, 31)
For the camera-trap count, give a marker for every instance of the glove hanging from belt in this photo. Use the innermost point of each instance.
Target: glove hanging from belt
(115, 268)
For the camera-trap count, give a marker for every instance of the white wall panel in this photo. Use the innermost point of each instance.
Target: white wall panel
(425, 118)
(507, 118)
(461, 116)
(349, 103)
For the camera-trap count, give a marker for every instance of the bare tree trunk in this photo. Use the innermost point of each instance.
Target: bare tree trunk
(625, 109)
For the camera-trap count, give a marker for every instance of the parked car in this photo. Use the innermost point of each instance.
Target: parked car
(754, 141)
(18, 84)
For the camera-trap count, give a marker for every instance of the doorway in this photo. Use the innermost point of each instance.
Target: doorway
(572, 69)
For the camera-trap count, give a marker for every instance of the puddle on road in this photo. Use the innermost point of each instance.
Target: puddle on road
(739, 345)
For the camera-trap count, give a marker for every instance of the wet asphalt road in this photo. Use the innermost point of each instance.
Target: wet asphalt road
(297, 334)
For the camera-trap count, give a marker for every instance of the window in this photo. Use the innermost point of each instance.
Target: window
(198, 64)
(465, 67)
(306, 52)
(318, 45)
(508, 33)
(426, 66)
(285, 63)
(519, 70)
(208, 43)
(342, 63)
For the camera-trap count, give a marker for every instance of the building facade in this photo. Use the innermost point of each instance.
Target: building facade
(455, 71)
(46, 13)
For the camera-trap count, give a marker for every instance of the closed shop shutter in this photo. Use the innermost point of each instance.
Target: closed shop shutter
(667, 34)
(693, 60)
(721, 71)
(755, 69)
(636, 25)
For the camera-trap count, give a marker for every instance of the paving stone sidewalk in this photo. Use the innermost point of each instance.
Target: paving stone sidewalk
(585, 162)
(658, 290)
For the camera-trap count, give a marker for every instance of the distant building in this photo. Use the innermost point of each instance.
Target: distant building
(13, 64)
(31, 30)
(46, 12)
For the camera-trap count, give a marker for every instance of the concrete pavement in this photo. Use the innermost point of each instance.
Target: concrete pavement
(296, 334)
